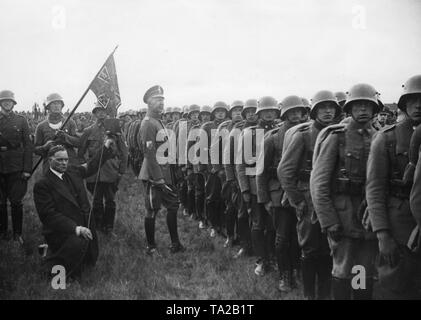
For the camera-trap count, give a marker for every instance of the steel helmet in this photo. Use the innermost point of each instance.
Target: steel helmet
(176, 109)
(341, 97)
(236, 104)
(205, 109)
(168, 110)
(411, 86)
(97, 107)
(267, 103)
(289, 103)
(220, 105)
(306, 104)
(7, 95)
(250, 104)
(143, 110)
(185, 111)
(324, 96)
(53, 97)
(193, 108)
(386, 110)
(362, 91)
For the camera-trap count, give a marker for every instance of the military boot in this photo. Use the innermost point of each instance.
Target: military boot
(309, 277)
(341, 289)
(285, 281)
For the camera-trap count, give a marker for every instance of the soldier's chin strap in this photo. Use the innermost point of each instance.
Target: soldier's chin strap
(85, 250)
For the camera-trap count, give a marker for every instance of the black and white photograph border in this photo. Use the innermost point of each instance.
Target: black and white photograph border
(108, 190)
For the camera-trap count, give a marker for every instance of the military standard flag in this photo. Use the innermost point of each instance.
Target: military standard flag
(105, 87)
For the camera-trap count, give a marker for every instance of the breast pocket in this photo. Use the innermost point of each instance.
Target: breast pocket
(353, 163)
(14, 136)
(93, 146)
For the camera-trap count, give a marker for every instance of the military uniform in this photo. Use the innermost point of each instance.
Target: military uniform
(191, 176)
(214, 203)
(294, 174)
(180, 170)
(157, 194)
(283, 215)
(109, 174)
(46, 131)
(15, 158)
(337, 188)
(230, 192)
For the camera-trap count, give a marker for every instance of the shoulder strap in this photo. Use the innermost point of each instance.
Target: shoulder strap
(343, 167)
(390, 136)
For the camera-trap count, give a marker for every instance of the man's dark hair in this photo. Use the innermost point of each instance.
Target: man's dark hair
(53, 150)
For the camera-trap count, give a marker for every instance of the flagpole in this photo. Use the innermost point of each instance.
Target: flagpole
(77, 105)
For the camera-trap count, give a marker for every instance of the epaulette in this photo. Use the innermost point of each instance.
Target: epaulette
(303, 126)
(273, 131)
(388, 128)
(225, 123)
(239, 124)
(206, 124)
(335, 128)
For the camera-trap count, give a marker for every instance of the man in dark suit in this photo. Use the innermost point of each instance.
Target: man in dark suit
(63, 207)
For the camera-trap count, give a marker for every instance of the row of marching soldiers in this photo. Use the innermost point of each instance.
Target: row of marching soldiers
(332, 200)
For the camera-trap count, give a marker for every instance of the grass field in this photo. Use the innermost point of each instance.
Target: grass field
(205, 270)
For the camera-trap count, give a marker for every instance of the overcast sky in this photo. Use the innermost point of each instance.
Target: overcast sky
(202, 51)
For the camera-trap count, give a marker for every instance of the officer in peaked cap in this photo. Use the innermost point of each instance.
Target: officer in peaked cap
(157, 176)
(155, 91)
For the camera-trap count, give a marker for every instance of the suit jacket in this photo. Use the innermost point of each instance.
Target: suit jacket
(60, 208)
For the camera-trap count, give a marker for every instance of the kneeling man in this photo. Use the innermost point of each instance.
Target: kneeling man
(63, 207)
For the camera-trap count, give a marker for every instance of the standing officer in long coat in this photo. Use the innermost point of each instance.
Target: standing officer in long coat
(156, 173)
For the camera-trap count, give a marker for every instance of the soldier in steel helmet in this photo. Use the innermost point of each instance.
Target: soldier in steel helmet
(230, 192)
(262, 231)
(337, 185)
(15, 165)
(49, 132)
(294, 174)
(214, 204)
(388, 192)
(270, 193)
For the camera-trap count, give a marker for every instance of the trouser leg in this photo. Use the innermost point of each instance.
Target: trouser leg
(285, 222)
(172, 226)
(309, 269)
(16, 192)
(110, 190)
(258, 229)
(200, 196)
(191, 203)
(3, 204)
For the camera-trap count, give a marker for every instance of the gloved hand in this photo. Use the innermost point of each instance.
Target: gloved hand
(335, 232)
(268, 206)
(26, 175)
(388, 248)
(301, 209)
(246, 196)
(408, 175)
